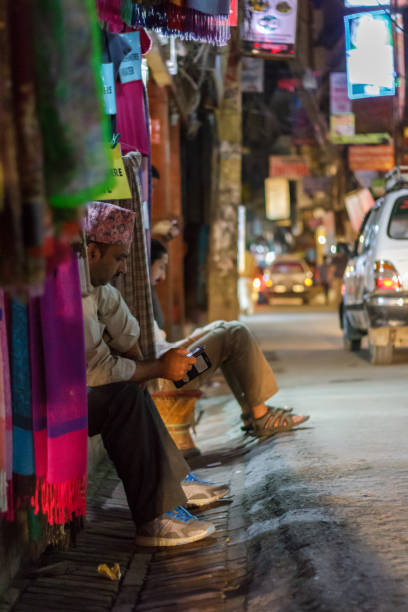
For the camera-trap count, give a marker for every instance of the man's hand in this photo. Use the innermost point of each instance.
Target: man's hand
(176, 364)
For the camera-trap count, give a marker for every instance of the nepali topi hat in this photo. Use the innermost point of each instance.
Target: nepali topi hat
(108, 223)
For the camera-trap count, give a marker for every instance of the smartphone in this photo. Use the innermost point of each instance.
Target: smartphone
(201, 365)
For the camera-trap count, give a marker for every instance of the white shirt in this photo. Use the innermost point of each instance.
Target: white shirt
(110, 329)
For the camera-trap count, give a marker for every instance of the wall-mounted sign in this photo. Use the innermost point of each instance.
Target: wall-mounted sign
(369, 55)
(342, 125)
(374, 139)
(233, 16)
(361, 3)
(277, 199)
(155, 131)
(380, 157)
(288, 166)
(357, 204)
(340, 103)
(269, 27)
(252, 74)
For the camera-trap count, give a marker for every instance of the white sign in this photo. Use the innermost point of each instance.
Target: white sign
(339, 101)
(360, 3)
(277, 199)
(252, 77)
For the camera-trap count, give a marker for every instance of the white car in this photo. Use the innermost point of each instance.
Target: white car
(375, 292)
(289, 275)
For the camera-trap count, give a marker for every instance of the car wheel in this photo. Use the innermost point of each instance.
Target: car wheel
(381, 355)
(351, 336)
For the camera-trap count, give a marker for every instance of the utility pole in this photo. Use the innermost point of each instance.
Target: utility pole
(222, 269)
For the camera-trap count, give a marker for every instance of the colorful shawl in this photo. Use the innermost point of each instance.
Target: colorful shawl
(23, 447)
(59, 398)
(5, 417)
(69, 100)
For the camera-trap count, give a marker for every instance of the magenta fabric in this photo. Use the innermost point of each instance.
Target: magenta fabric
(59, 396)
(130, 117)
(108, 223)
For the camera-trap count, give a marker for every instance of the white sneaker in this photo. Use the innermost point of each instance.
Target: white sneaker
(200, 492)
(173, 528)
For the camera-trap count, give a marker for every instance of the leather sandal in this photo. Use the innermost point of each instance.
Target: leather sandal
(248, 418)
(274, 422)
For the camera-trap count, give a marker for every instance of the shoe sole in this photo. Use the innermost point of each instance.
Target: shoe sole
(205, 502)
(157, 541)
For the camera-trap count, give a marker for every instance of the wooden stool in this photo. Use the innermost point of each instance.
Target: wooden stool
(176, 408)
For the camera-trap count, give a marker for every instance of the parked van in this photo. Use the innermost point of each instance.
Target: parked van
(375, 292)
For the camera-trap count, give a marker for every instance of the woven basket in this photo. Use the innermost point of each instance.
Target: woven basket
(176, 408)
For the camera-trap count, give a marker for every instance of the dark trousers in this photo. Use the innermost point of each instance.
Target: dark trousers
(140, 447)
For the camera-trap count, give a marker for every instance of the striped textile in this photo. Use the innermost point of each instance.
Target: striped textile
(5, 414)
(135, 286)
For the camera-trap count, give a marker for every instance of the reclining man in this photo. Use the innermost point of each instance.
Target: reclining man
(156, 477)
(231, 347)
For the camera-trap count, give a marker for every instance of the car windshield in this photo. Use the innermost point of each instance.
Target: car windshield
(398, 226)
(287, 267)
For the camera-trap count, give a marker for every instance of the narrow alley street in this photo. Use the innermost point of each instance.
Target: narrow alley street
(317, 518)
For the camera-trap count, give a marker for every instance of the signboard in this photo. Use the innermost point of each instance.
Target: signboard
(380, 157)
(342, 125)
(361, 3)
(316, 184)
(269, 27)
(343, 139)
(288, 166)
(155, 131)
(340, 103)
(121, 189)
(369, 55)
(357, 204)
(277, 199)
(252, 75)
(233, 16)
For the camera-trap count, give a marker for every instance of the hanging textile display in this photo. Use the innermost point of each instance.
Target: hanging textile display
(59, 398)
(69, 97)
(135, 285)
(177, 18)
(5, 416)
(131, 122)
(23, 447)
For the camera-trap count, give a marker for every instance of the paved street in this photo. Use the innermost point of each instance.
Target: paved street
(327, 506)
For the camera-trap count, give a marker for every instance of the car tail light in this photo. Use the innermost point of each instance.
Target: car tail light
(386, 276)
(256, 283)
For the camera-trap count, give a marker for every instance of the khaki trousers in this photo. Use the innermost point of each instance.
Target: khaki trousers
(232, 347)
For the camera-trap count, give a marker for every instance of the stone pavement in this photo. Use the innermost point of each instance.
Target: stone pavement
(211, 575)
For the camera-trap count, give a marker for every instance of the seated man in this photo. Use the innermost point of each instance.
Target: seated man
(156, 478)
(232, 347)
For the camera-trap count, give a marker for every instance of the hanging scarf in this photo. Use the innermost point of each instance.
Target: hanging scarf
(135, 285)
(5, 416)
(59, 399)
(175, 18)
(23, 449)
(69, 95)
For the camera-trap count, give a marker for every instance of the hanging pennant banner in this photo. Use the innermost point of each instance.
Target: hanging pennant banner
(108, 82)
(130, 68)
(121, 189)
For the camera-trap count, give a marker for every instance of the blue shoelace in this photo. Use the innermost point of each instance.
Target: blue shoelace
(190, 478)
(181, 514)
